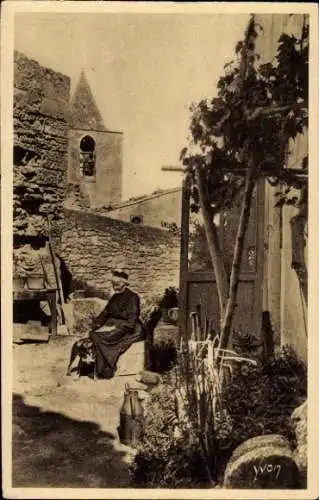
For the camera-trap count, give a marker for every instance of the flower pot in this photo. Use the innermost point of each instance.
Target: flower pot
(173, 315)
(18, 283)
(165, 318)
(35, 282)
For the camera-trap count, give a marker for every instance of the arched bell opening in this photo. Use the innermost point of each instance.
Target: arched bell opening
(87, 156)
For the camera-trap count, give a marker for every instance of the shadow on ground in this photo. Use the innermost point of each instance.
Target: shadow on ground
(51, 450)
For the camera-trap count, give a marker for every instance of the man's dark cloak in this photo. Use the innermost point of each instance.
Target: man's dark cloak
(122, 311)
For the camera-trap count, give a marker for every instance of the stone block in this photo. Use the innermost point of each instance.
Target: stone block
(166, 332)
(264, 462)
(257, 442)
(132, 361)
(84, 310)
(299, 425)
(299, 422)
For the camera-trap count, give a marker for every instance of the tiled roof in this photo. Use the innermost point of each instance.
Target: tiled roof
(140, 199)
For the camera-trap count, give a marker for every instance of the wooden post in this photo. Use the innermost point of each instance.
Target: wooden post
(183, 323)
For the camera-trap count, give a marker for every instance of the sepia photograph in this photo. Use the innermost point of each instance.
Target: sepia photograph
(156, 167)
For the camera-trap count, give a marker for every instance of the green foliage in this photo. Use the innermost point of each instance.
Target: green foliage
(165, 300)
(258, 109)
(171, 226)
(169, 298)
(162, 461)
(261, 399)
(257, 400)
(163, 356)
(245, 343)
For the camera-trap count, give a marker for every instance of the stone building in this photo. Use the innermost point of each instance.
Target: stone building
(159, 209)
(95, 153)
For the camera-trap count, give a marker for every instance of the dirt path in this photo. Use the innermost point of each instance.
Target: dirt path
(65, 430)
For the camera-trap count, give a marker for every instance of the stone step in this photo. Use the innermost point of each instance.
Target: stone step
(132, 361)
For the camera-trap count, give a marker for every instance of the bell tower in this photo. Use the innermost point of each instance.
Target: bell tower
(95, 153)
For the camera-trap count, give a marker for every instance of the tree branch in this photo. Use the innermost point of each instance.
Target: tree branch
(212, 238)
(238, 253)
(274, 110)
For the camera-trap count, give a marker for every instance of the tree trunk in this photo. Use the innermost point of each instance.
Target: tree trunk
(238, 252)
(213, 244)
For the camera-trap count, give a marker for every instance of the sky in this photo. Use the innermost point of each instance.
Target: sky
(144, 71)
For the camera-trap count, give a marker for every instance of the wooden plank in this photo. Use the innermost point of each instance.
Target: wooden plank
(260, 255)
(32, 330)
(27, 294)
(36, 336)
(184, 261)
(297, 173)
(206, 277)
(57, 278)
(194, 285)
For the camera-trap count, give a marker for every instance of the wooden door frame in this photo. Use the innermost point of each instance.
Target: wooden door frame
(186, 276)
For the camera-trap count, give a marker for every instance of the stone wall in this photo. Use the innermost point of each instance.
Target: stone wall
(92, 244)
(41, 98)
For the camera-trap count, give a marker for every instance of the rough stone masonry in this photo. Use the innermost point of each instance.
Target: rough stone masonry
(92, 244)
(41, 98)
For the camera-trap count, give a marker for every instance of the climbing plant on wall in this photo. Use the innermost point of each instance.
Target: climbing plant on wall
(243, 134)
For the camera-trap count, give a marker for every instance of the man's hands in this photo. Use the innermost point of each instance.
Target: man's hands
(106, 329)
(109, 328)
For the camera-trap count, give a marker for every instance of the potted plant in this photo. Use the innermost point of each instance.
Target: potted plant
(19, 274)
(26, 264)
(169, 301)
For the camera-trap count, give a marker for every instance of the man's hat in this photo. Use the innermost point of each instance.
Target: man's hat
(120, 272)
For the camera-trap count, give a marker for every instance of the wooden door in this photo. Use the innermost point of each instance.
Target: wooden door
(197, 280)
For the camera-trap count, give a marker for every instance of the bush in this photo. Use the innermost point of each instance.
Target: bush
(163, 356)
(245, 343)
(257, 400)
(169, 298)
(261, 399)
(161, 460)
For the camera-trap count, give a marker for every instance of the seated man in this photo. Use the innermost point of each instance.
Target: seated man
(117, 327)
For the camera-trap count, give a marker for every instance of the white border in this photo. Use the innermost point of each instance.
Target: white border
(8, 10)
